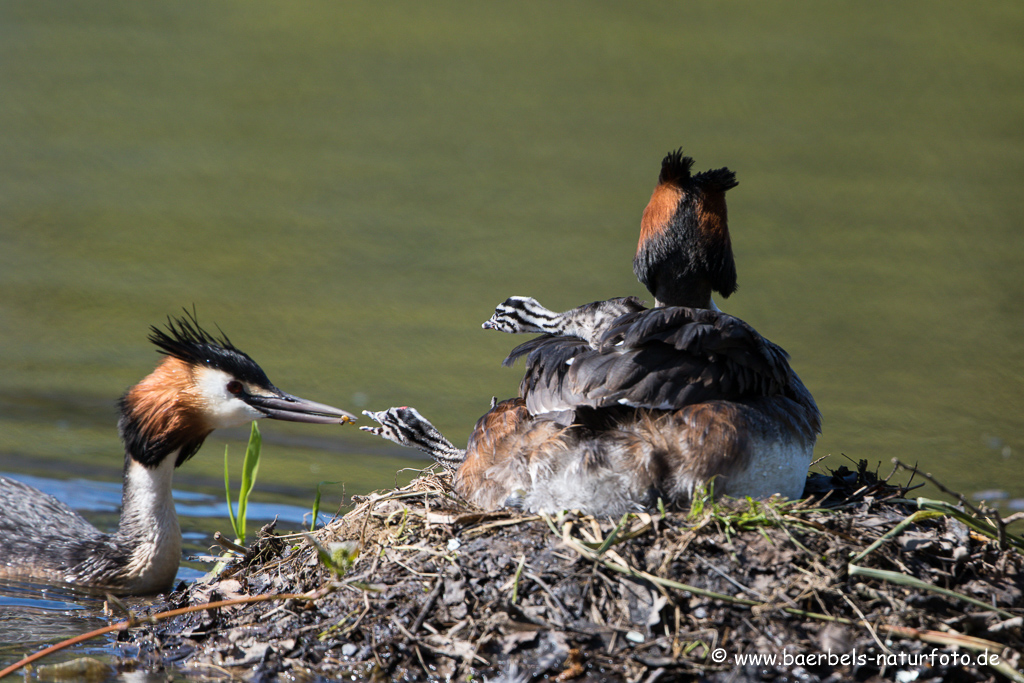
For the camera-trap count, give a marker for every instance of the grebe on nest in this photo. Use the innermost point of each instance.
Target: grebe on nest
(203, 384)
(620, 404)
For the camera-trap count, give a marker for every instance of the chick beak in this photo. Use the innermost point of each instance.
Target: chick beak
(284, 406)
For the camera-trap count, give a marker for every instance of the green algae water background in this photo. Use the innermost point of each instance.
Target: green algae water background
(348, 189)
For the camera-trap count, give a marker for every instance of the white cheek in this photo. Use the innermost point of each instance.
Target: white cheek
(222, 409)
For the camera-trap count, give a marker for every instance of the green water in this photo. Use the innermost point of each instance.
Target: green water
(347, 190)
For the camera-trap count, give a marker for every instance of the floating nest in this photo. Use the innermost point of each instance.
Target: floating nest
(858, 582)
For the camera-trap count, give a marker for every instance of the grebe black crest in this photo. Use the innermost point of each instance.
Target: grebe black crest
(185, 340)
(621, 404)
(204, 383)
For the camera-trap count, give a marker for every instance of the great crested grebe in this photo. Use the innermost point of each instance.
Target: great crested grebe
(203, 384)
(622, 404)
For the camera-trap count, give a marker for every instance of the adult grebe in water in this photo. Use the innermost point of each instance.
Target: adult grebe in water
(621, 404)
(203, 384)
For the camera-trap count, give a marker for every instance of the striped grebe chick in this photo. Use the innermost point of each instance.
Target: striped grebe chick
(524, 315)
(203, 384)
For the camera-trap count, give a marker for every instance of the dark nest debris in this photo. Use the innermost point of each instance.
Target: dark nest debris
(856, 583)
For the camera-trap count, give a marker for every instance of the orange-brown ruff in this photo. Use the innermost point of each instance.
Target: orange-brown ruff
(659, 211)
(168, 402)
(204, 383)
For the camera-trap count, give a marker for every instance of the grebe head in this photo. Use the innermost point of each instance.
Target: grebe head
(204, 383)
(684, 252)
(521, 315)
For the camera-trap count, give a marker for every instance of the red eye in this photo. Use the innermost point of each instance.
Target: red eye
(235, 387)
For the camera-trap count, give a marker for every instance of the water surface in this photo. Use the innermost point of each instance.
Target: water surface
(348, 189)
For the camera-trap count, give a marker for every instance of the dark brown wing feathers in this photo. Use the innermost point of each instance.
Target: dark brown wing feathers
(663, 358)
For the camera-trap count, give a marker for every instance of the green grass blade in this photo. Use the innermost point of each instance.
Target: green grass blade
(515, 584)
(918, 516)
(613, 535)
(250, 468)
(227, 493)
(913, 582)
(979, 525)
(316, 503)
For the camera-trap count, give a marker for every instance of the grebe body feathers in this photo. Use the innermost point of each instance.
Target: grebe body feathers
(621, 404)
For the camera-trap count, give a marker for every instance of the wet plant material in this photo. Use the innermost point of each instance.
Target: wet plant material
(421, 586)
